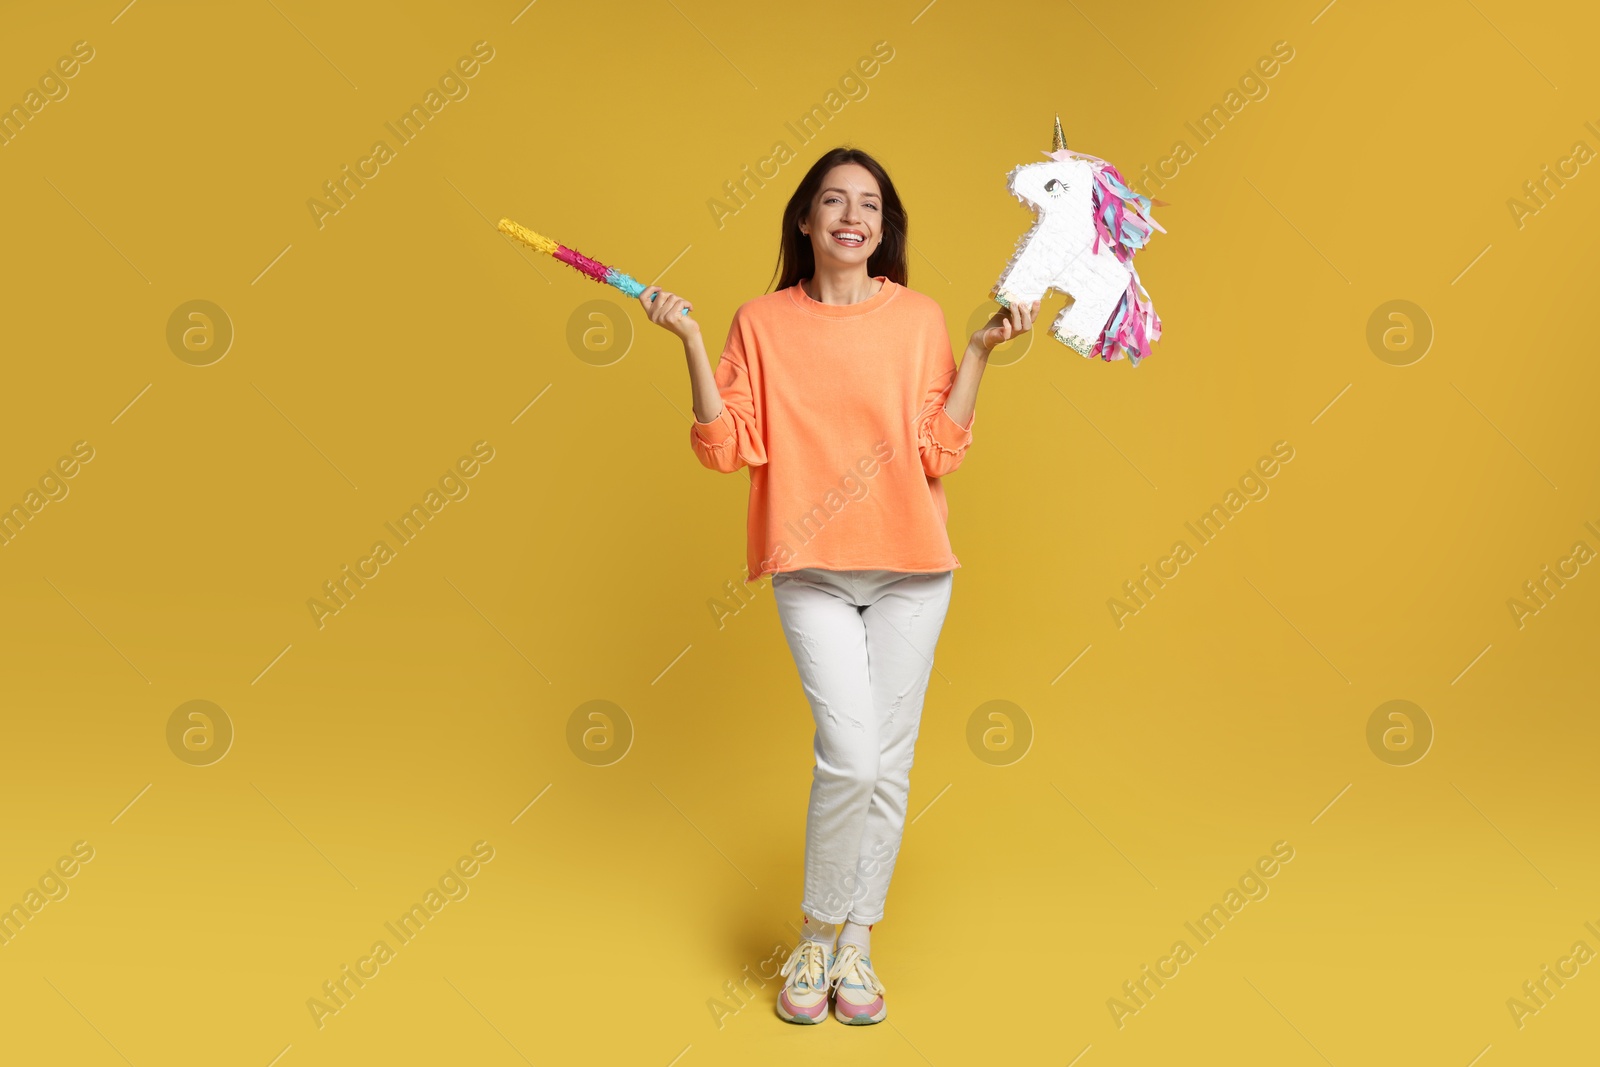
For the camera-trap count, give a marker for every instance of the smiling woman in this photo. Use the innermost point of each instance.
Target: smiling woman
(844, 368)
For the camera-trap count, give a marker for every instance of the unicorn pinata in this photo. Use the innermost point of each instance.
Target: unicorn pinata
(1090, 224)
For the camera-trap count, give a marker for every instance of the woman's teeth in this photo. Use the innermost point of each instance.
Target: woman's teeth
(846, 239)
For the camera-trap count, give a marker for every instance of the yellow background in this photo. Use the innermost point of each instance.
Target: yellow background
(430, 712)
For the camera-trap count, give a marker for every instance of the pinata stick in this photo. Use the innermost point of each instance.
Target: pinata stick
(592, 268)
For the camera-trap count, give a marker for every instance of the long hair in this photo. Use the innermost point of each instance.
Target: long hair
(797, 260)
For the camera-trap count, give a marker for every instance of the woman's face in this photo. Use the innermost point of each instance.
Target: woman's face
(848, 203)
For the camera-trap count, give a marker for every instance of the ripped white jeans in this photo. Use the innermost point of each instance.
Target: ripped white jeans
(863, 642)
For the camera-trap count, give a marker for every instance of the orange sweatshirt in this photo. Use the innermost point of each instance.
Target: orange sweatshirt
(838, 411)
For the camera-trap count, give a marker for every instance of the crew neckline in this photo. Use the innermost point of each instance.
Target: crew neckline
(803, 300)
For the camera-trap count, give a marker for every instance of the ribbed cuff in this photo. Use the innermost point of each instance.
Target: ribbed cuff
(716, 432)
(948, 434)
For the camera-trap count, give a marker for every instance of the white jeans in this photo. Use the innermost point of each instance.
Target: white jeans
(863, 642)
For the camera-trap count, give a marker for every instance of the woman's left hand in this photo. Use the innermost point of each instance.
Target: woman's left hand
(1005, 324)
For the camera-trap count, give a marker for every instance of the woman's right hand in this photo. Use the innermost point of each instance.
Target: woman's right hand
(666, 311)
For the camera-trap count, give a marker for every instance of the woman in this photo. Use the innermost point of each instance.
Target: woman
(839, 391)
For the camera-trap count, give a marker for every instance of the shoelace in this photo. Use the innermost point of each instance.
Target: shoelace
(808, 962)
(850, 965)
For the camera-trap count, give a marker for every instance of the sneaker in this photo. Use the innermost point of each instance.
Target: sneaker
(804, 998)
(858, 995)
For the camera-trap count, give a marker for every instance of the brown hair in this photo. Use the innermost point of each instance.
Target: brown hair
(797, 260)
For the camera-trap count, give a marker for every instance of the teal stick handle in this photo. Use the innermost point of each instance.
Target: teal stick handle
(653, 300)
(632, 286)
